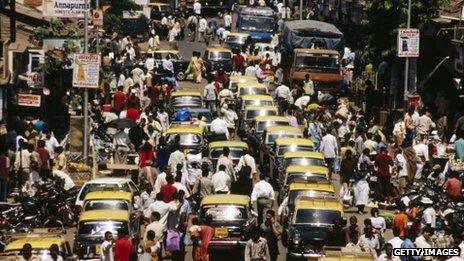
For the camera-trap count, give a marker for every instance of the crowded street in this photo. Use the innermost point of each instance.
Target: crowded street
(231, 130)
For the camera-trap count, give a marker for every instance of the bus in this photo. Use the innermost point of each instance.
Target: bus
(259, 22)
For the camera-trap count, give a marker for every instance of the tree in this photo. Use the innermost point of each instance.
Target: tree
(112, 19)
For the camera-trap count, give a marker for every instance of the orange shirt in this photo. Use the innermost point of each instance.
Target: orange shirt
(400, 221)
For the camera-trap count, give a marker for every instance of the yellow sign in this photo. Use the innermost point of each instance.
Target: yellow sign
(86, 73)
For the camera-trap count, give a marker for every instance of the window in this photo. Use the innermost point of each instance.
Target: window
(35, 59)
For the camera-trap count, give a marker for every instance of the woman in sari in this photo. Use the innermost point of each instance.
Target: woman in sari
(197, 68)
(205, 234)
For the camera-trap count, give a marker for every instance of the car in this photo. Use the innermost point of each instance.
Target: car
(237, 40)
(251, 88)
(237, 150)
(347, 254)
(217, 58)
(185, 99)
(253, 111)
(260, 123)
(92, 226)
(116, 200)
(309, 226)
(259, 100)
(190, 137)
(306, 173)
(194, 117)
(272, 133)
(160, 9)
(232, 220)
(180, 64)
(319, 189)
(236, 79)
(283, 145)
(112, 184)
(40, 240)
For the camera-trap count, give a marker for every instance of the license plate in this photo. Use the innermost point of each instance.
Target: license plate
(221, 232)
(97, 249)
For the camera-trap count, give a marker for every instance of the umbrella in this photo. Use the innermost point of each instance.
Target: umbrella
(121, 124)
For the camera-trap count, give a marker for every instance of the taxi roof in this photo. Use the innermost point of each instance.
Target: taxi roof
(304, 154)
(183, 129)
(238, 34)
(93, 215)
(228, 143)
(116, 195)
(261, 97)
(294, 141)
(286, 129)
(251, 84)
(319, 186)
(307, 169)
(37, 241)
(226, 199)
(259, 108)
(217, 48)
(270, 118)
(236, 78)
(318, 203)
(185, 93)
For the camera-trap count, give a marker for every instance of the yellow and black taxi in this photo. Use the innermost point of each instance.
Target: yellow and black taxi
(251, 88)
(232, 219)
(236, 40)
(309, 226)
(304, 173)
(217, 58)
(92, 226)
(185, 99)
(282, 146)
(272, 133)
(189, 137)
(180, 64)
(253, 111)
(346, 254)
(237, 150)
(234, 80)
(40, 240)
(252, 99)
(111, 200)
(300, 188)
(260, 123)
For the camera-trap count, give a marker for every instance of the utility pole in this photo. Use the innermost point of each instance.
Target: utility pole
(97, 7)
(406, 65)
(301, 9)
(86, 91)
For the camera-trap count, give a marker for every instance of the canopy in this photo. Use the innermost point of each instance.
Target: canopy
(305, 33)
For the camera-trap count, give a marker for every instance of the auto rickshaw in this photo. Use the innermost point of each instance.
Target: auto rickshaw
(237, 150)
(251, 88)
(232, 220)
(190, 137)
(217, 58)
(236, 79)
(347, 254)
(307, 173)
(92, 226)
(40, 239)
(253, 111)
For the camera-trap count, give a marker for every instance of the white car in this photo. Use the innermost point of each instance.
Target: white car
(100, 184)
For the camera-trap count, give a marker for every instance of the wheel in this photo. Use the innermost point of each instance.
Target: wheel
(180, 76)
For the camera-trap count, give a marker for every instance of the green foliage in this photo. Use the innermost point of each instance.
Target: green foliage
(57, 29)
(112, 18)
(383, 19)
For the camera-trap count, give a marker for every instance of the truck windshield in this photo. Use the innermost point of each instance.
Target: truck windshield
(257, 24)
(316, 62)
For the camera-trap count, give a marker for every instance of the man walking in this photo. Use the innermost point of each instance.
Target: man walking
(262, 197)
(271, 231)
(210, 96)
(329, 147)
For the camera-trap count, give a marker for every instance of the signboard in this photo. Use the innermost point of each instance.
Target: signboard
(408, 42)
(30, 100)
(97, 17)
(65, 8)
(35, 79)
(86, 70)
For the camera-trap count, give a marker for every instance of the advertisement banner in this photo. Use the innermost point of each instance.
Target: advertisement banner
(65, 8)
(97, 17)
(408, 42)
(86, 72)
(29, 100)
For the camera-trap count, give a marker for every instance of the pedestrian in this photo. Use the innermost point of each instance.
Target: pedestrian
(202, 186)
(388, 255)
(202, 28)
(155, 226)
(329, 147)
(271, 230)
(177, 157)
(219, 128)
(197, 8)
(361, 191)
(262, 197)
(370, 240)
(150, 247)
(197, 68)
(168, 190)
(246, 173)
(221, 181)
(26, 253)
(383, 162)
(210, 96)
(161, 207)
(230, 117)
(429, 215)
(425, 241)
(453, 187)
(206, 233)
(348, 167)
(54, 253)
(256, 249)
(107, 247)
(228, 21)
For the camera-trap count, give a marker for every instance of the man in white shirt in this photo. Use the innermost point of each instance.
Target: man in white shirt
(424, 123)
(251, 69)
(247, 160)
(202, 27)
(429, 215)
(121, 144)
(401, 170)
(329, 147)
(197, 8)
(107, 247)
(262, 197)
(68, 182)
(167, 64)
(155, 226)
(209, 95)
(163, 117)
(282, 92)
(148, 196)
(150, 63)
(176, 157)
(424, 241)
(422, 152)
(229, 116)
(219, 126)
(228, 21)
(161, 207)
(221, 181)
(370, 144)
(396, 241)
(226, 161)
(51, 143)
(131, 51)
(161, 179)
(388, 255)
